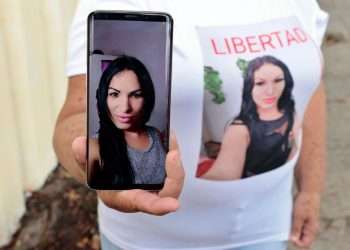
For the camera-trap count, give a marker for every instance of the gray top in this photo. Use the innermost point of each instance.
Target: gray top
(149, 164)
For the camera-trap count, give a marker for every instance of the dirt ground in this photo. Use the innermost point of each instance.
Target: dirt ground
(61, 215)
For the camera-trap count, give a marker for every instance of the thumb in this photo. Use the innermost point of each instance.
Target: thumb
(79, 150)
(173, 145)
(174, 171)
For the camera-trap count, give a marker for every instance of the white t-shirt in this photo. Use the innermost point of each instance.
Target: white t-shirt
(216, 214)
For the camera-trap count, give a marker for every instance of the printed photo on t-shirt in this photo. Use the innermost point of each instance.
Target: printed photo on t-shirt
(256, 92)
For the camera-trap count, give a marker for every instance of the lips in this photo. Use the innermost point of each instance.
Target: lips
(124, 118)
(270, 100)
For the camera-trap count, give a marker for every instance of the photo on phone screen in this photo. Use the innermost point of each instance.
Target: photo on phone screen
(129, 61)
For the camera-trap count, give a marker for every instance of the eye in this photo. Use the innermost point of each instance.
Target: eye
(278, 80)
(259, 83)
(113, 94)
(137, 94)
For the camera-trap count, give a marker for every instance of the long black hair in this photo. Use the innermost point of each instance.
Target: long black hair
(248, 114)
(113, 147)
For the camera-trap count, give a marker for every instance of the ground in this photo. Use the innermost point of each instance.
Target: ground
(61, 215)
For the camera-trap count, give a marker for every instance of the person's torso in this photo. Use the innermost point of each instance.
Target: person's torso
(148, 164)
(266, 137)
(219, 214)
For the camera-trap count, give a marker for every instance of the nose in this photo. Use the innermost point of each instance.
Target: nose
(124, 104)
(270, 89)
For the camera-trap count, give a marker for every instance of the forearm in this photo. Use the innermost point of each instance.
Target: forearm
(311, 167)
(230, 161)
(66, 131)
(70, 124)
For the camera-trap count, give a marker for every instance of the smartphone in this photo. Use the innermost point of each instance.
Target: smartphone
(128, 91)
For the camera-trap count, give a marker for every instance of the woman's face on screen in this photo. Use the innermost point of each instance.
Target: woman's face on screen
(125, 100)
(269, 84)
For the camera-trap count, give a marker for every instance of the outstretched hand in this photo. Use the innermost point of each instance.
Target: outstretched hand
(138, 200)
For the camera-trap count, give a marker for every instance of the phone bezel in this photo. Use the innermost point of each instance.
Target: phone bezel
(146, 16)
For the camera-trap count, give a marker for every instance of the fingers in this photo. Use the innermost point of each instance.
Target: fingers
(305, 221)
(174, 170)
(138, 201)
(153, 204)
(175, 176)
(307, 234)
(297, 227)
(173, 145)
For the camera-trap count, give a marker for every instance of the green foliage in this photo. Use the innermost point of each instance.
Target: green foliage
(213, 84)
(243, 66)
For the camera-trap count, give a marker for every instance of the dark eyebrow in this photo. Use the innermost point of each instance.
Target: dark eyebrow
(114, 89)
(279, 78)
(133, 92)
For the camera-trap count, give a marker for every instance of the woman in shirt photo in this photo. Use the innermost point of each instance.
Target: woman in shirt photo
(130, 151)
(263, 135)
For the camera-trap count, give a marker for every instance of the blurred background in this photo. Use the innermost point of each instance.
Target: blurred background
(41, 207)
(33, 38)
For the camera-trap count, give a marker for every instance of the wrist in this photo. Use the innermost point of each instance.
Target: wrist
(316, 193)
(311, 194)
(310, 186)
(309, 198)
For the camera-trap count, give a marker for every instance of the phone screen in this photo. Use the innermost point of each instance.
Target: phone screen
(129, 62)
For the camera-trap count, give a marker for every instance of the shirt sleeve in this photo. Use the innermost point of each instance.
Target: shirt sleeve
(77, 37)
(313, 18)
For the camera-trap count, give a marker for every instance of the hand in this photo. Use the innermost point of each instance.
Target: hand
(138, 200)
(305, 224)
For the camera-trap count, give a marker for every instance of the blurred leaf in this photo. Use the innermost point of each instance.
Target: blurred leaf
(213, 84)
(243, 66)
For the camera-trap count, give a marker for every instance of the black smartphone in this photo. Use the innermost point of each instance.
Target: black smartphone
(128, 91)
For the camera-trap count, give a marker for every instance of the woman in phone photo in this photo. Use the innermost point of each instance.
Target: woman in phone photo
(131, 152)
(263, 135)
